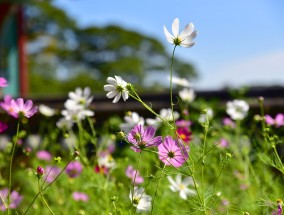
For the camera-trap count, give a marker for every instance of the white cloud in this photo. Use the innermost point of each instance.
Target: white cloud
(267, 69)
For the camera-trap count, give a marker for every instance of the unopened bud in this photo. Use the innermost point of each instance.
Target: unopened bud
(121, 135)
(39, 171)
(76, 154)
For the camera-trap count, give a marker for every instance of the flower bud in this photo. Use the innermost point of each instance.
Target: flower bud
(39, 171)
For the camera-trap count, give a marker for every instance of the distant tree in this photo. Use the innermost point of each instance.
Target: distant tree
(60, 50)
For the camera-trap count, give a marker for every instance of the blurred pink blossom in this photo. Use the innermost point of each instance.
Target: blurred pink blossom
(79, 196)
(44, 155)
(3, 82)
(130, 173)
(277, 122)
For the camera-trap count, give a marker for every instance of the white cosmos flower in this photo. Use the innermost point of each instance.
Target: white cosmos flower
(46, 111)
(166, 114)
(185, 38)
(203, 117)
(63, 123)
(180, 82)
(131, 119)
(237, 109)
(76, 114)
(140, 200)
(116, 88)
(181, 186)
(81, 97)
(187, 95)
(107, 161)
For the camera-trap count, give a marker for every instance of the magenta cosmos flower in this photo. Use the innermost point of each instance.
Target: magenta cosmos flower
(184, 134)
(74, 169)
(143, 138)
(79, 196)
(15, 199)
(19, 108)
(3, 82)
(277, 122)
(172, 153)
(133, 174)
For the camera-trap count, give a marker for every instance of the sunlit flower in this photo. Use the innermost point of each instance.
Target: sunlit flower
(81, 97)
(131, 119)
(116, 88)
(74, 169)
(181, 186)
(185, 38)
(184, 134)
(44, 155)
(143, 138)
(140, 200)
(46, 111)
(19, 108)
(79, 196)
(166, 114)
(203, 117)
(172, 153)
(180, 81)
(134, 174)
(3, 82)
(278, 121)
(187, 95)
(237, 109)
(3, 127)
(15, 199)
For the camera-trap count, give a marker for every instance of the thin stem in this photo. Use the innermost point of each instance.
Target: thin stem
(43, 199)
(171, 84)
(162, 172)
(140, 155)
(10, 168)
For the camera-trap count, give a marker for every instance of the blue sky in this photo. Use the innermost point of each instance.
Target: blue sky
(239, 42)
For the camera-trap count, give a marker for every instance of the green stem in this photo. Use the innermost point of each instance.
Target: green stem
(171, 84)
(138, 163)
(43, 199)
(162, 172)
(10, 168)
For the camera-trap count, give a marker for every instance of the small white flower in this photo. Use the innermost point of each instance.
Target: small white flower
(116, 88)
(46, 111)
(203, 117)
(63, 123)
(131, 119)
(185, 38)
(180, 82)
(140, 200)
(237, 109)
(181, 186)
(76, 114)
(187, 95)
(80, 97)
(166, 114)
(107, 161)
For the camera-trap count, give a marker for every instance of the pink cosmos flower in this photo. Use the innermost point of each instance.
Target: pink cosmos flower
(74, 169)
(143, 138)
(184, 134)
(3, 127)
(3, 82)
(183, 123)
(228, 122)
(172, 153)
(223, 143)
(79, 196)
(277, 122)
(19, 108)
(51, 173)
(44, 155)
(6, 104)
(130, 173)
(15, 199)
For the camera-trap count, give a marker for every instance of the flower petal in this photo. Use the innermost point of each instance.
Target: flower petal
(175, 27)
(170, 38)
(186, 31)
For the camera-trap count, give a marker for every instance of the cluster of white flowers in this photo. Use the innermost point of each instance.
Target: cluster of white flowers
(237, 109)
(76, 107)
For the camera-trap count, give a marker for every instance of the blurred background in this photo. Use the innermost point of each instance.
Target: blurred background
(49, 47)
